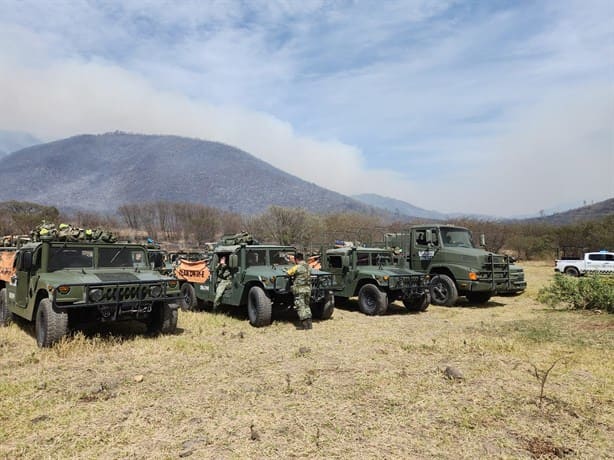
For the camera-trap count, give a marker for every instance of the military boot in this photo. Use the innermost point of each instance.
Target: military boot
(306, 323)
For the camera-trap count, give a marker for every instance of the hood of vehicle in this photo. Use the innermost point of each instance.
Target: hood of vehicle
(101, 276)
(461, 256)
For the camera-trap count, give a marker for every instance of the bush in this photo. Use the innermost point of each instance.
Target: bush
(593, 292)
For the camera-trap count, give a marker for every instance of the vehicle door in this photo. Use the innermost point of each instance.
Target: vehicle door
(23, 268)
(421, 250)
(595, 262)
(340, 271)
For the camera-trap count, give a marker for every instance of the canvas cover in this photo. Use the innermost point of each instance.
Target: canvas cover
(6, 265)
(194, 271)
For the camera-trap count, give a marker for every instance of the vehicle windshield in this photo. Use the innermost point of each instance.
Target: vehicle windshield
(122, 257)
(456, 237)
(282, 257)
(61, 258)
(381, 258)
(256, 257)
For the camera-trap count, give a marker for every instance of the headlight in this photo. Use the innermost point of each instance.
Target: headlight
(96, 295)
(155, 291)
(63, 289)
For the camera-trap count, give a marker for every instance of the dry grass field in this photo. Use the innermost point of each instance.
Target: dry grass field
(353, 387)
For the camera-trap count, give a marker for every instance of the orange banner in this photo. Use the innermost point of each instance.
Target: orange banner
(192, 271)
(314, 262)
(6, 265)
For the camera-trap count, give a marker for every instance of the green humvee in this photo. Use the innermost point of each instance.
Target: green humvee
(260, 282)
(372, 275)
(62, 284)
(456, 267)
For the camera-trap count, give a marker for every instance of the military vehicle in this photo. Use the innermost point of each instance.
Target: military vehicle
(60, 285)
(372, 275)
(456, 267)
(260, 282)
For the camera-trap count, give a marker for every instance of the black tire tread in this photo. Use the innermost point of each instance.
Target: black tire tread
(55, 324)
(259, 307)
(381, 300)
(449, 289)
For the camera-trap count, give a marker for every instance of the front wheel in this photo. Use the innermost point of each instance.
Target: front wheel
(259, 307)
(188, 297)
(324, 309)
(372, 301)
(51, 325)
(443, 290)
(163, 319)
(418, 302)
(6, 317)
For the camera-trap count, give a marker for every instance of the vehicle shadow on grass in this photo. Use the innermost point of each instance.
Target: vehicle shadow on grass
(124, 331)
(465, 304)
(394, 308)
(286, 315)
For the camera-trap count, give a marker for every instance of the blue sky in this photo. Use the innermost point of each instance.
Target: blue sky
(494, 107)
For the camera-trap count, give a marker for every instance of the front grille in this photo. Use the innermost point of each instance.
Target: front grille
(406, 282)
(119, 293)
(124, 293)
(322, 281)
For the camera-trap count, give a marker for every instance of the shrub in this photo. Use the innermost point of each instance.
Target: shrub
(593, 292)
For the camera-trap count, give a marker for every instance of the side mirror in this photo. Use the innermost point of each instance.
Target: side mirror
(233, 261)
(345, 261)
(482, 240)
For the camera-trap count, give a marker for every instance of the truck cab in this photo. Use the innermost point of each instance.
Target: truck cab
(455, 265)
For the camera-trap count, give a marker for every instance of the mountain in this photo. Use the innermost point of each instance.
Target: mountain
(398, 207)
(11, 141)
(102, 172)
(589, 212)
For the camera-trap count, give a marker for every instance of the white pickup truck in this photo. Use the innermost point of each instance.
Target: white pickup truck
(593, 262)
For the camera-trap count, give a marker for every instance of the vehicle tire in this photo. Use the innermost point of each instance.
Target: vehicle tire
(259, 307)
(443, 290)
(372, 301)
(479, 298)
(6, 317)
(163, 319)
(324, 309)
(188, 297)
(572, 271)
(51, 325)
(418, 302)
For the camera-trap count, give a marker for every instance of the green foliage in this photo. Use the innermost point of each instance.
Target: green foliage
(594, 292)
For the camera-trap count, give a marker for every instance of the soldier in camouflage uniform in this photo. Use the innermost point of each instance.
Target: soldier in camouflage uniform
(224, 281)
(301, 288)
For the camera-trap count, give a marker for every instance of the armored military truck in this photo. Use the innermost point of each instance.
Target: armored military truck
(372, 275)
(260, 282)
(59, 285)
(456, 267)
